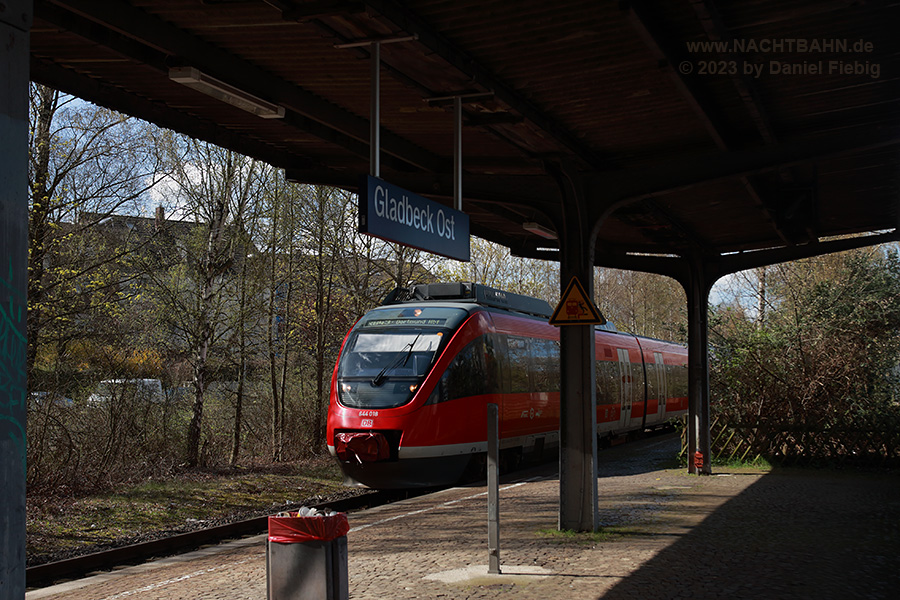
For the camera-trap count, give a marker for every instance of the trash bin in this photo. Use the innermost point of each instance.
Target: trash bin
(306, 556)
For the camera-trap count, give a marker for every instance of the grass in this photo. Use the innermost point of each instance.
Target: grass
(60, 527)
(586, 538)
(758, 462)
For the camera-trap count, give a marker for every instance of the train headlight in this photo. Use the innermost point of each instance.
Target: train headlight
(413, 388)
(348, 391)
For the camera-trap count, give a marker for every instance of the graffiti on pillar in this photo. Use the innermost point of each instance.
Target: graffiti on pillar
(12, 362)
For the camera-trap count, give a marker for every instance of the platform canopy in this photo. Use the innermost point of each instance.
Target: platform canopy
(692, 138)
(704, 126)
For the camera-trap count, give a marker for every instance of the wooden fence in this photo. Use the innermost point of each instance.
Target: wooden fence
(869, 444)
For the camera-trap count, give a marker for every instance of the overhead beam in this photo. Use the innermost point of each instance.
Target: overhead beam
(651, 33)
(623, 187)
(411, 23)
(716, 30)
(688, 171)
(92, 90)
(719, 265)
(732, 263)
(327, 121)
(519, 192)
(686, 232)
(666, 52)
(318, 9)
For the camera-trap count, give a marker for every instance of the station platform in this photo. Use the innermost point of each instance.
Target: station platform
(666, 534)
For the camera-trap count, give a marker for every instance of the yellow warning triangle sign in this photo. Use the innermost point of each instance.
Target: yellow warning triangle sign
(576, 308)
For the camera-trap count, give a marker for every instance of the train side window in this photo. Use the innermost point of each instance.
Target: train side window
(519, 364)
(465, 375)
(678, 376)
(656, 379)
(637, 372)
(652, 378)
(493, 363)
(545, 364)
(607, 373)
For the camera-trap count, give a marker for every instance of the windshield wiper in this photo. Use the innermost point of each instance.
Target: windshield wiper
(378, 379)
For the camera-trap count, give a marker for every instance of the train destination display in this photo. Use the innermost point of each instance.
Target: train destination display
(392, 213)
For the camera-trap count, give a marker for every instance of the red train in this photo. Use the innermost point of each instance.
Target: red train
(410, 389)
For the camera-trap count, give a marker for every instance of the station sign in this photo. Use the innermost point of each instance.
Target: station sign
(576, 307)
(391, 213)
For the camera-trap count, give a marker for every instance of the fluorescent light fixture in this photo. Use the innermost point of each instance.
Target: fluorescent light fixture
(196, 79)
(538, 229)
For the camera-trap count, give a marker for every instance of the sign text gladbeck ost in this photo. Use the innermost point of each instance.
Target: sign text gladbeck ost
(392, 213)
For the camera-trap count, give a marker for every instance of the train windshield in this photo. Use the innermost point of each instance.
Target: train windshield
(390, 352)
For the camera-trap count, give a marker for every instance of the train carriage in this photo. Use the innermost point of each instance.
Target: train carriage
(411, 386)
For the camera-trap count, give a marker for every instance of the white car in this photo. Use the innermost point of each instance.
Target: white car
(148, 390)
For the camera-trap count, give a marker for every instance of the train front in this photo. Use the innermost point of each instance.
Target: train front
(380, 421)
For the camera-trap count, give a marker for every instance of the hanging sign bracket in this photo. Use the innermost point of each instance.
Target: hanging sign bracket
(375, 101)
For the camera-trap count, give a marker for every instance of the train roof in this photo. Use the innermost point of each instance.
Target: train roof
(468, 292)
(478, 294)
(482, 295)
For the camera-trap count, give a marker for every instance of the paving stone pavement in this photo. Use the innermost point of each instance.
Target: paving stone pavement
(786, 534)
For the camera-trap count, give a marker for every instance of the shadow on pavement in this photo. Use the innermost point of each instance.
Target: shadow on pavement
(793, 534)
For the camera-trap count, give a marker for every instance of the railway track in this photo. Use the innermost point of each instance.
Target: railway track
(80, 566)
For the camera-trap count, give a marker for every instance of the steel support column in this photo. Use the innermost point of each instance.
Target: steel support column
(578, 509)
(697, 290)
(15, 23)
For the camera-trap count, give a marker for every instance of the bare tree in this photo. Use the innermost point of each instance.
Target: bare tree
(281, 245)
(86, 163)
(212, 187)
(494, 265)
(88, 168)
(783, 371)
(642, 303)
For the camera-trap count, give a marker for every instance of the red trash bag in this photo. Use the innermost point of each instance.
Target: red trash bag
(296, 529)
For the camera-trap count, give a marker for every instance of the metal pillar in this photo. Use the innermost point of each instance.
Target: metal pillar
(15, 24)
(578, 509)
(699, 284)
(493, 488)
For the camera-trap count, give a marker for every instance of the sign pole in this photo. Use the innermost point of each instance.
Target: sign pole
(375, 100)
(493, 485)
(457, 154)
(375, 113)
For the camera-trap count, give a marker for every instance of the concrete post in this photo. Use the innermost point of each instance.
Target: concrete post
(697, 292)
(15, 23)
(578, 495)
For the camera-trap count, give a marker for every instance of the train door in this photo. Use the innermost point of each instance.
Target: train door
(661, 387)
(625, 388)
